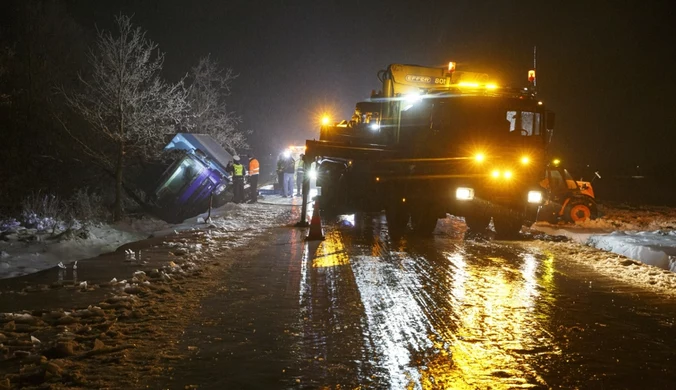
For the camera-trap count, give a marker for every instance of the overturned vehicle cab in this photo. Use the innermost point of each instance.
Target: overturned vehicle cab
(195, 180)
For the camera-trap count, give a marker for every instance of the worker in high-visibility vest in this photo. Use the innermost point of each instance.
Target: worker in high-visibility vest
(238, 172)
(254, 170)
(300, 173)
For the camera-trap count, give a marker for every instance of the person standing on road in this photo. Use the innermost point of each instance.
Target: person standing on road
(300, 174)
(289, 168)
(238, 180)
(254, 170)
(280, 173)
(229, 168)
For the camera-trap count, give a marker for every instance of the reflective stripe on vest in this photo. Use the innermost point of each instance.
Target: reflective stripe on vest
(254, 167)
(238, 169)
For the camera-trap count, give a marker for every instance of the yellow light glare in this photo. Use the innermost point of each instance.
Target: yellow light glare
(491, 86)
(525, 160)
(326, 120)
(479, 157)
(403, 200)
(495, 173)
(507, 174)
(468, 84)
(556, 162)
(377, 179)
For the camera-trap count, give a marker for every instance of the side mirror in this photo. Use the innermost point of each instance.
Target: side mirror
(551, 120)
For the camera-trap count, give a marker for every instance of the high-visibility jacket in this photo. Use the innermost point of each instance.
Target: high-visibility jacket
(254, 167)
(238, 169)
(300, 166)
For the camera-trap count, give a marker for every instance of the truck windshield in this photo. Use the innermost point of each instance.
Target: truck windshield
(525, 122)
(485, 117)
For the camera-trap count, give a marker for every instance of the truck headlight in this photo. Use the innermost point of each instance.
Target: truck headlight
(534, 196)
(464, 193)
(312, 174)
(219, 189)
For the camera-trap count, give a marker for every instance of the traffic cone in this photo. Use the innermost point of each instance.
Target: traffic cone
(316, 233)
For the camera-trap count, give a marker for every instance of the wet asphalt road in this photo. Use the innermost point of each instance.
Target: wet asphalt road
(363, 309)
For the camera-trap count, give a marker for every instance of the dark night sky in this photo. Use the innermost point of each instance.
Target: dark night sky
(606, 67)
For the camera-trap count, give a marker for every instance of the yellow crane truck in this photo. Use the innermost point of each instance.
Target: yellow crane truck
(436, 141)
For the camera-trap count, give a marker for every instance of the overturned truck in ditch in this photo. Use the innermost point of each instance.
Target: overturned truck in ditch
(196, 179)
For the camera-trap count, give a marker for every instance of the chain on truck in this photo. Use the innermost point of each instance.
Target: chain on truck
(436, 141)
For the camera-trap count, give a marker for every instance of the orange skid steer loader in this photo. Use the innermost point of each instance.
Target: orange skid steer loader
(569, 201)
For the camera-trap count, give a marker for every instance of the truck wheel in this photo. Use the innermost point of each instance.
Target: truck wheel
(507, 227)
(397, 217)
(548, 213)
(580, 210)
(423, 222)
(477, 222)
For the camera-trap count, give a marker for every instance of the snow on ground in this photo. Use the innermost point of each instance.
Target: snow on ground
(25, 251)
(643, 234)
(618, 267)
(656, 248)
(38, 251)
(634, 245)
(647, 235)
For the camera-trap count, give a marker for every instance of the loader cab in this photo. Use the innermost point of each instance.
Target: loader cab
(559, 182)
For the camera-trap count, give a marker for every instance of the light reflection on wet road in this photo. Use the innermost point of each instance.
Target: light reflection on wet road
(365, 309)
(448, 313)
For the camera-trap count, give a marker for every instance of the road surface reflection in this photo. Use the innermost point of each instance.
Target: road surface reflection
(441, 313)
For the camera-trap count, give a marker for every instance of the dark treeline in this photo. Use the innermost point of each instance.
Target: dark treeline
(41, 48)
(624, 182)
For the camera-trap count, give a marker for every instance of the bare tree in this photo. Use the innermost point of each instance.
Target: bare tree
(128, 107)
(209, 86)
